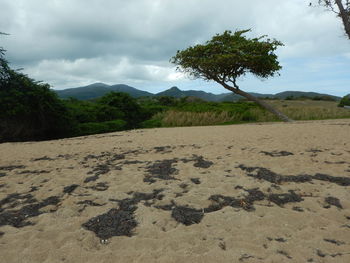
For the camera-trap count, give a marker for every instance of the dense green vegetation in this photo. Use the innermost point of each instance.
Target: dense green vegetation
(345, 101)
(30, 110)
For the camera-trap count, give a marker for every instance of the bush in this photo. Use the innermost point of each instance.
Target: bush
(126, 104)
(29, 110)
(101, 127)
(345, 101)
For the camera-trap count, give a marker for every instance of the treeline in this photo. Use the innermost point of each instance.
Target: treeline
(30, 110)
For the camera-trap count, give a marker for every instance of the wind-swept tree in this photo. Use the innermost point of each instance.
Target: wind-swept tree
(342, 10)
(227, 57)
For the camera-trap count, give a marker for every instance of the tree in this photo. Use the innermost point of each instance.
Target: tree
(341, 8)
(227, 57)
(126, 104)
(4, 68)
(29, 110)
(345, 101)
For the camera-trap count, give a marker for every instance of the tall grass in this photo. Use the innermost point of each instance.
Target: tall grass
(297, 110)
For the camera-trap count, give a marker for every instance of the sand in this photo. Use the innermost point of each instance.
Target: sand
(244, 193)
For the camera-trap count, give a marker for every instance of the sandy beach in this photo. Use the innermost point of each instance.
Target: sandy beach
(271, 192)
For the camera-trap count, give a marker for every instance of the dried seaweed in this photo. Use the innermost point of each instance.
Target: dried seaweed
(70, 188)
(333, 201)
(186, 215)
(281, 199)
(277, 153)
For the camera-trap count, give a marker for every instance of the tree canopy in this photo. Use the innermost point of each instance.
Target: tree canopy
(228, 56)
(341, 8)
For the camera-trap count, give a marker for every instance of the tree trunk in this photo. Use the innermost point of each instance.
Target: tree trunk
(262, 103)
(345, 16)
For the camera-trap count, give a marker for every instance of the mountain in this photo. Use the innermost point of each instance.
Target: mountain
(98, 90)
(177, 93)
(172, 92)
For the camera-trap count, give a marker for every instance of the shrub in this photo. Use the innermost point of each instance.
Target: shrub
(101, 127)
(345, 101)
(29, 110)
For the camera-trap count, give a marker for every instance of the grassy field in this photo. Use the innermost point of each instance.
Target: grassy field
(295, 109)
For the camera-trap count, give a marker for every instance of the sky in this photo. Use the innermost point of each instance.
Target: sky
(72, 43)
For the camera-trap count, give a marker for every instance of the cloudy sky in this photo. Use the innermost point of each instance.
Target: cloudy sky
(71, 43)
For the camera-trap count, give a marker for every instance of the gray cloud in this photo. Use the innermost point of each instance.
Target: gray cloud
(71, 43)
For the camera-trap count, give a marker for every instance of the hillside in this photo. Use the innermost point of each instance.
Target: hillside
(99, 89)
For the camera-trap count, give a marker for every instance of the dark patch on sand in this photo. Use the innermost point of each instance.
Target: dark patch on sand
(91, 179)
(34, 188)
(11, 167)
(277, 153)
(344, 181)
(102, 186)
(284, 253)
(133, 162)
(333, 241)
(3, 174)
(244, 257)
(281, 199)
(187, 215)
(200, 162)
(70, 188)
(246, 203)
(44, 158)
(280, 239)
(119, 221)
(314, 150)
(116, 157)
(320, 253)
(19, 218)
(333, 201)
(262, 173)
(161, 170)
(168, 207)
(34, 172)
(116, 222)
(101, 169)
(162, 149)
(87, 203)
(340, 162)
(195, 180)
(298, 209)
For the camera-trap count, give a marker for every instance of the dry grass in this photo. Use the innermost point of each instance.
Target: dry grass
(178, 118)
(297, 110)
(311, 110)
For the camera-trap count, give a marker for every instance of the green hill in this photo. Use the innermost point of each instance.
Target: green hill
(99, 89)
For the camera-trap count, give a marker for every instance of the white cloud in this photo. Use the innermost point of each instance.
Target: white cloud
(67, 43)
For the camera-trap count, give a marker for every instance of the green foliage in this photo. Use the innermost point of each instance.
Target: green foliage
(89, 128)
(228, 56)
(4, 68)
(345, 101)
(126, 104)
(167, 101)
(88, 111)
(30, 110)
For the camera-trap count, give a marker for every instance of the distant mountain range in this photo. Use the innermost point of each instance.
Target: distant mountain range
(96, 90)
